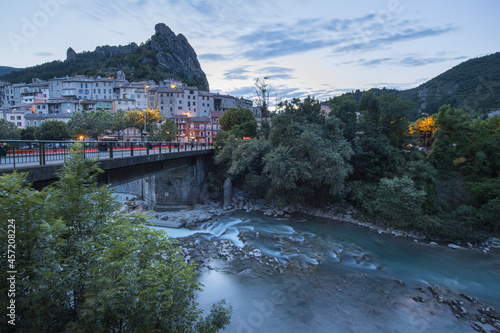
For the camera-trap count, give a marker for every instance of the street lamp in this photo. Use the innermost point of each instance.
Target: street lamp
(426, 127)
(145, 117)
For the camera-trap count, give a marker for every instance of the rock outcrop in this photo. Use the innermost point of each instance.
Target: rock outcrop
(164, 55)
(70, 54)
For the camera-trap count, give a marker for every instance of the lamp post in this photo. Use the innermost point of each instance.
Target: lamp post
(426, 127)
(145, 114)
(144, 131)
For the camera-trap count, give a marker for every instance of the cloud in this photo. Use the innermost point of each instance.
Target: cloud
(277, 73)
(44, 54)
(117, 32)
(341, 35)
(389, 37)
(407, 61)
(280, 40)
(247, 92)
(414, 62)
(212, 57)
(237, 73)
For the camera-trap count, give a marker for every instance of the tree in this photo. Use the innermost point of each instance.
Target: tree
(344, 108)
(262, 90)
(52, 130)
(28, 133)
(393, 121)
(239, 122)
(452, 137)
(370, 113)
(144, 119)
(312, 170)
(397, 202)
(120, 123)
(91, 124)
(422, 127)
(82, 266)
(167, 131)
(9, 131)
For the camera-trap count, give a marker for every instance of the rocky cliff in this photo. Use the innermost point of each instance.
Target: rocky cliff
(164, 55)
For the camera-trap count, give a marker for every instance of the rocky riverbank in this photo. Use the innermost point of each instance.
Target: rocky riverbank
(193, 217)
(247, 262)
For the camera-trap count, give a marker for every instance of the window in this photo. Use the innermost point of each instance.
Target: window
(19, 123)
(12, 117)
(194, 103)
(18, 117)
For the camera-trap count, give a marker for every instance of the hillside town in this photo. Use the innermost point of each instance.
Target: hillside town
(195, 112)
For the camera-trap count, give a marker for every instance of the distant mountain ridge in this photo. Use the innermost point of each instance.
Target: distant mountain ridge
(4, 70)
(164, 55)
(473, 84)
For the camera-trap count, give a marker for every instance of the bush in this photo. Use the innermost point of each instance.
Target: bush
(397, 203)
(462, 224)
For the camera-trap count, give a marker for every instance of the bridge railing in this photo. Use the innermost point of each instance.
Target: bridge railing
(17, 152)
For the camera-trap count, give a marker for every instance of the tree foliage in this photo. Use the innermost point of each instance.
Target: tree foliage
(28, 133)
(147, 118)
(9, 131)
(56, 130)
(82, 266)
(239, 122)
(166, 131)
(91, 124)
(120, 123)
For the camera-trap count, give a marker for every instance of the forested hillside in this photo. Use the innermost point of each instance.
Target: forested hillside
(473, 84)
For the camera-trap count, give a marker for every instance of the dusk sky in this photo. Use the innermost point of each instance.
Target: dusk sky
(318, 47)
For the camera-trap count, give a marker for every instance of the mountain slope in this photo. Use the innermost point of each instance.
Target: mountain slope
(164, 55)
(474, 84)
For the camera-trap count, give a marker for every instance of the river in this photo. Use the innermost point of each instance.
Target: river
(345, 278)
